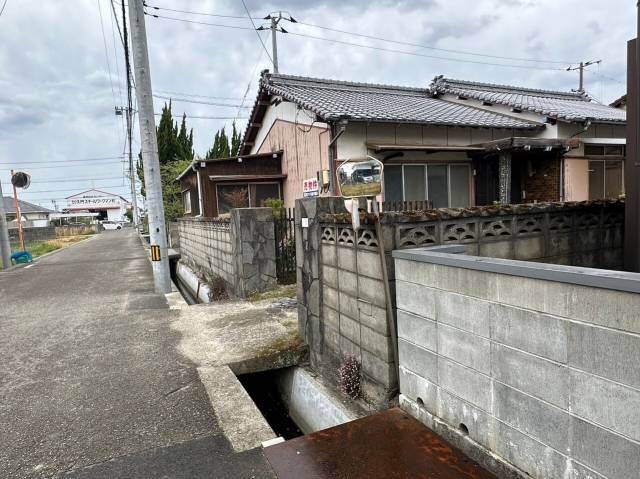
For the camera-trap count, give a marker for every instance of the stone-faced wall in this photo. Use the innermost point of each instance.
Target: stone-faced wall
(240, 250)
(534, 364)
(253, 250)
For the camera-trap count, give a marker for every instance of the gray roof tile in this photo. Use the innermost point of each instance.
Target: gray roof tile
(332, 100)
(25, 206)
(567, 106)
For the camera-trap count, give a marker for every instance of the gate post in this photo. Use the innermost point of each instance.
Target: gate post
(254, 251)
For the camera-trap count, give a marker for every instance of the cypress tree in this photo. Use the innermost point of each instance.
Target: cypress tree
(236, 140)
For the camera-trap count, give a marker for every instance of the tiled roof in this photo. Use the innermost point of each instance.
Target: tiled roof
(25, 207)
(568, 106)
(332, 100)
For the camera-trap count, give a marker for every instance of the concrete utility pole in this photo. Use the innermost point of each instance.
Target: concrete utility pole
(5, 247)
(275, 20)
(274, 41)
(581, 68)
(132, 174)
(151, 163)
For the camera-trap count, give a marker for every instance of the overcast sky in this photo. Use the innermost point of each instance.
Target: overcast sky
(58, 86)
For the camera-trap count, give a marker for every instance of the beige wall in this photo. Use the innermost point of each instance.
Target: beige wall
(576, 179)
(305, 152)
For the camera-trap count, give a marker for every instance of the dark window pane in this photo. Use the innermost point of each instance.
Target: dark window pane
(594, 150)
(438, 190)
(393, 183)
(232, 196)
(414, 184)
(613, 150)
(260, 192)
(459, 180)
(596, 180)
(613, 179)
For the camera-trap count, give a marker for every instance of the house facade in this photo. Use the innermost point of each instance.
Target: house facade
(108, 205)
(33, 216)
(454, 143)
(210, 188)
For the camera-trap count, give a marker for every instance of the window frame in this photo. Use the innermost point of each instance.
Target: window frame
(604, 161)
(426, 178)
(186, 194)
(247, 184)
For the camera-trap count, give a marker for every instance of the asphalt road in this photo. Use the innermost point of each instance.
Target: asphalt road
(91, 382)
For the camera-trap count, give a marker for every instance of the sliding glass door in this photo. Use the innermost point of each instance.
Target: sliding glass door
(446, 185)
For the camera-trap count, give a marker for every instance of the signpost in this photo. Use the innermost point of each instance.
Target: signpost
(19, 180)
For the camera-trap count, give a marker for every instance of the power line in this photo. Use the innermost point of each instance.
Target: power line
(3, 6)
(197, 117)
(234, 27)
(197, 13)
(256, 30)
(121, 157)
(169, 92)
(373, 37)
(67, 180)
(429, 47)
(201, 102)
(73, 188)
(433, 57)
(60, 166)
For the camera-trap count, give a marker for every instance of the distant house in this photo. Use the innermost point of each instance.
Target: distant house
(33, 215)
(456, 143)
(109, 206)
(212, 187)
(620, 103)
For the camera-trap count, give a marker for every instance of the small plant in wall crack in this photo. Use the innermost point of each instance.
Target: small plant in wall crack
(349, 377)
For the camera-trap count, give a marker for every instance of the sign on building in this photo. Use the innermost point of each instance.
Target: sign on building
(310, 187)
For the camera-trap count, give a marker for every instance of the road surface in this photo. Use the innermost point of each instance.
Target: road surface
(91, 383)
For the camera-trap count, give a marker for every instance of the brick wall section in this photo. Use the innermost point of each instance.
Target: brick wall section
(541, 373)
(206, 247)
(544, 185)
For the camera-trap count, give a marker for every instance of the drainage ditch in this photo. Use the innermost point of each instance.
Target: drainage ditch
(263, 389)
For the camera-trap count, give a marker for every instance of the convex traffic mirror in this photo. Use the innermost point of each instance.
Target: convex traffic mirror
(359, 178)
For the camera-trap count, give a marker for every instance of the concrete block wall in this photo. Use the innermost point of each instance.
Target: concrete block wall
(33, 235)
(206, 247)
(240, 250)
(354, 308)
(536, 364)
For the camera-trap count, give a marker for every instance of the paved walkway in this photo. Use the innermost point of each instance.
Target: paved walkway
(92, 383)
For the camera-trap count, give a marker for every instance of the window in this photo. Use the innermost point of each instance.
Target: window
(604, 150)
(446, 185)
(186, 201)
(606, 179)
(245, 195)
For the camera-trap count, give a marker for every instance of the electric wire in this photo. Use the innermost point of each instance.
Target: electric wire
(3, 7)
(234, 27)
(372, 37)
(79, 160)
(264, 47)
(200, 102)
(198, 117)
(169, 92)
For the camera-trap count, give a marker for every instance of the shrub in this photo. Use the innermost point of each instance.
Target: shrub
(349, 377)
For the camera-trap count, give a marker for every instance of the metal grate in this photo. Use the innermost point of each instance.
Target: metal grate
(414, 205)
(285, 238)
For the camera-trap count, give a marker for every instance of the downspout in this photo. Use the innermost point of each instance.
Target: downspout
(332, 153)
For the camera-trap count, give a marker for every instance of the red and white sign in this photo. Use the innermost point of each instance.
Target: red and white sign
(310, 187)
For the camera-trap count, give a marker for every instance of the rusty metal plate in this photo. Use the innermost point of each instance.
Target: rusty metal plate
(389, 444)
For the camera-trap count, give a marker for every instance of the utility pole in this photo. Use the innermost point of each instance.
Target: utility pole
(5, 247)
(132, 175)
(581, 68)
(151, 163)
(275, 20)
